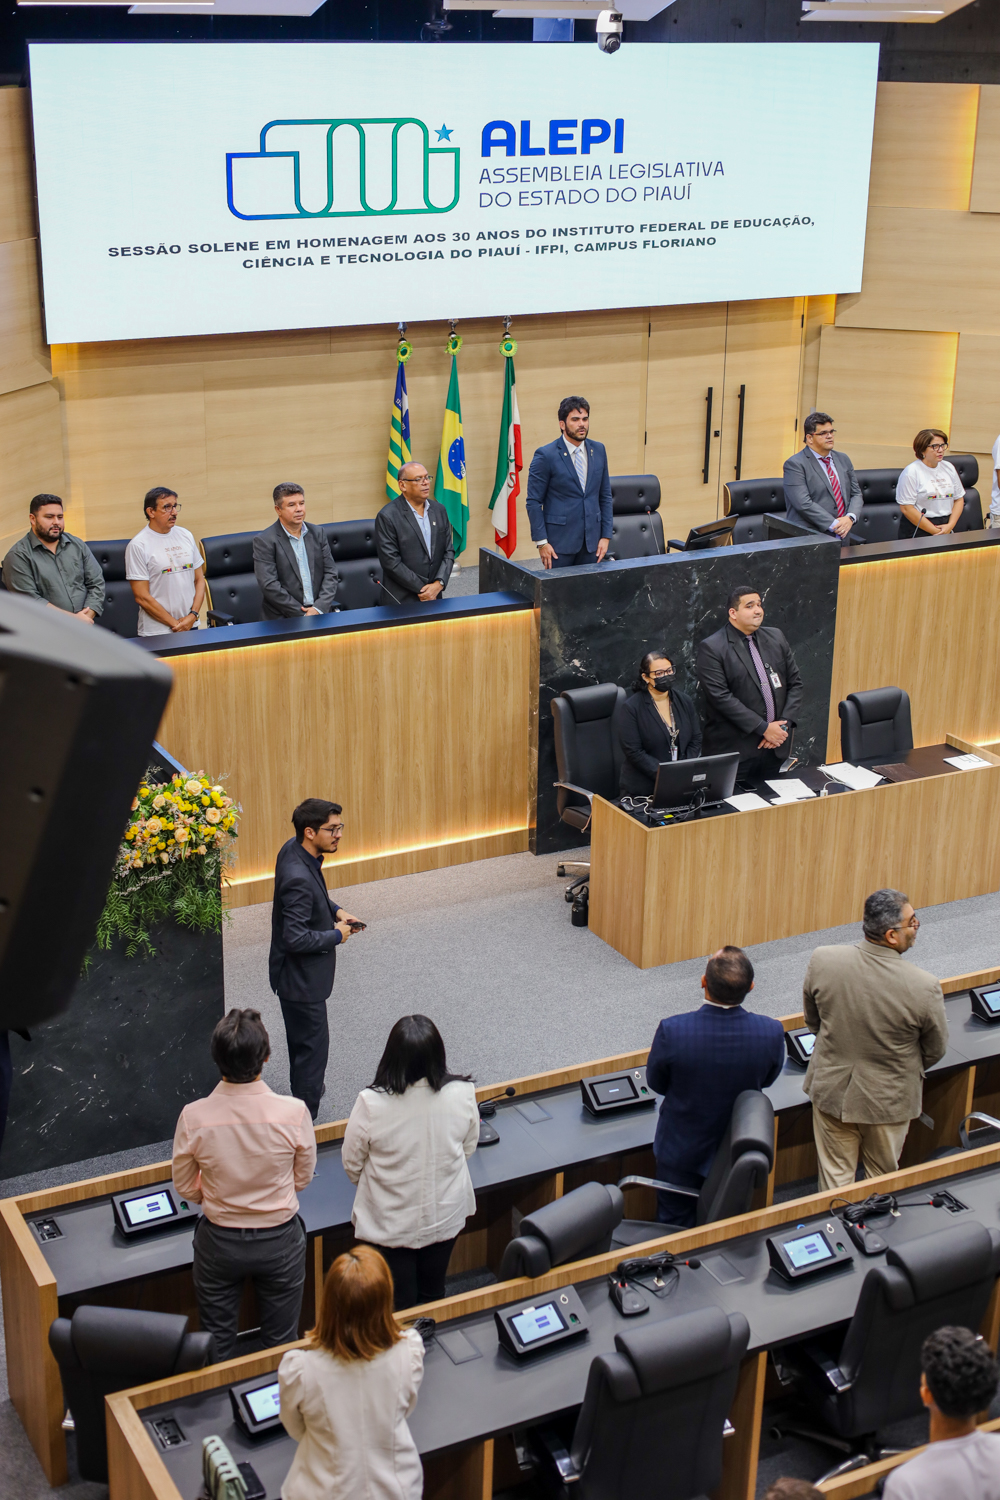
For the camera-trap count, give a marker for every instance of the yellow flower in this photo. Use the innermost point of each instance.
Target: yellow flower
(205, 801)
(182, 836)
(130, 832)
(161, 845)
(204, 781)
(213, 815)
(144, 791)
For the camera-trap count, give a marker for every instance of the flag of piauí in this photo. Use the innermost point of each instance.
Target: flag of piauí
(399, 435)
(450, 487)
(507, 485)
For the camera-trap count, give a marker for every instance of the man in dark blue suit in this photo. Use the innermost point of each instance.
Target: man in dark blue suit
(569, 493)
(700, 1062)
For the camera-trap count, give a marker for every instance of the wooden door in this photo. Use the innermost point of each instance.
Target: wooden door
(687, 360)
(763, 358)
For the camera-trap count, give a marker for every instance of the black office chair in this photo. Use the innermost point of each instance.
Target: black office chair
(577, 1225)
(866, 1377)
(875, 723)
(654, 1414)
(588, 755)
(636, 528)
(359, 572)
(120, 614)
(742, 1163)
(105, 1349)
(750, 500)
(234, 592)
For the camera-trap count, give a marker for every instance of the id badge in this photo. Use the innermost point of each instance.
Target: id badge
(775, 679)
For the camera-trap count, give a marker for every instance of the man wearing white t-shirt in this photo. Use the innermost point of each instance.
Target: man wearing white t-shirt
(165, 568)
(958, 1380)
(993, 519)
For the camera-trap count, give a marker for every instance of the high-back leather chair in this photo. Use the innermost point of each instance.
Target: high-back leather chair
(967, 465)
(235, 593)
(875, 723)
(741, 1164)
(579, 1224)
(654, 1413)
(358, 569)
(752, 500)
(588, 755)
(105, 1349)
(866, 1377)
(121, 613)
(636, 527)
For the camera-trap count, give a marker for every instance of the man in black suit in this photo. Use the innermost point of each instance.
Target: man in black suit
(292, 562)
(752, 687)
(414, 542)
(307, 927)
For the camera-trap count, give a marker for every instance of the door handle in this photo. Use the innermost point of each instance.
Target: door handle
(708, 434)
(739, 433)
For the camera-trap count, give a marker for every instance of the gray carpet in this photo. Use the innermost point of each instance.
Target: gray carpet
(489, 952)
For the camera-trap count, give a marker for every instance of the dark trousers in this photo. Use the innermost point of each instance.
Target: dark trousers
(574, 559)
(307, 1031)
(761, 765)
(417, 1275)
(671, 1208)
(274, 1260)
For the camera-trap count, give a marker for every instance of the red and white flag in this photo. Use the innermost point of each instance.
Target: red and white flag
(507, 485)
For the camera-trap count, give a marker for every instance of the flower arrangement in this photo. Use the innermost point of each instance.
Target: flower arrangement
(171, 862)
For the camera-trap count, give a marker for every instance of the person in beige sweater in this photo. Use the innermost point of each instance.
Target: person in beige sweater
(880, 1024)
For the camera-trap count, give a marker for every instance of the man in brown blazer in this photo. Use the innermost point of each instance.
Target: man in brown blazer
(879, 1024)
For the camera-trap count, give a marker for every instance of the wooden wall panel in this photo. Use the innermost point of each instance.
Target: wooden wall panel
(882, 387)
(419, 731)
(24, 357)
(985, 195)
(975, 419)
(820, 312)
(927, 268)
(17, 187)
(32, 456)
(687, 354)
(889, 632)
(763, 352)
(923, 146)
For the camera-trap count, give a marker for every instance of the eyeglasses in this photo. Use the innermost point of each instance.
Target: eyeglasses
(424, 479)
(825, 432)
(335, 829)
(938, 447)
(912, 924)
(170, 509)
(662, 676)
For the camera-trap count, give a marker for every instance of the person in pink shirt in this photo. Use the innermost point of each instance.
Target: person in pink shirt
(245, 1154)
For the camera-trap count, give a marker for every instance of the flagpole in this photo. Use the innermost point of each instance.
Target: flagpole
(507, 484)
(399, 418)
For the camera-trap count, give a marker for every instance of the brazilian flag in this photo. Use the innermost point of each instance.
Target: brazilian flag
(450, 487)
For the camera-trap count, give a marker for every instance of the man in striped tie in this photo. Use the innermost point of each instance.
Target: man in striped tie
(822, 491)
(752, 688)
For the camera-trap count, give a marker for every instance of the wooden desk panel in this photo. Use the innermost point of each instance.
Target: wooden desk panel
(419, 731)
(659, 895)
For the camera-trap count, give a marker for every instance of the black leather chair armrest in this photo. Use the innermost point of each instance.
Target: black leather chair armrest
(216, 617)
(664, 1187)
(811, 1352)
(579, 790)
(963, 1133)
(552, 1452)
(677, 546)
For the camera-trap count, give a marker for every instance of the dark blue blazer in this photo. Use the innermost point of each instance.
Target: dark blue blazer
(303, 957)
(699, 1062)
(560, 512)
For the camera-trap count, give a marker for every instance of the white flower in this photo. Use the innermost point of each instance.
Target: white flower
(212, 815)
(165, 858)
(194, 787)
(159, 802)
(154, 825)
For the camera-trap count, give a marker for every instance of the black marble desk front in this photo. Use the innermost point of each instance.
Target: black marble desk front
(496, 1392)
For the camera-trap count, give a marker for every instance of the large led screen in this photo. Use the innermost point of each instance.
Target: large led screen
(197, 189)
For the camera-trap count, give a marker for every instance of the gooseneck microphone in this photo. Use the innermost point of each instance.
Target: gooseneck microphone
(488, 1107)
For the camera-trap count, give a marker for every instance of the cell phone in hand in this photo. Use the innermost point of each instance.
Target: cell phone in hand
(357, 926)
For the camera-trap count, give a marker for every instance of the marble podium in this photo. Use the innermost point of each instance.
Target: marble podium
(595, 624)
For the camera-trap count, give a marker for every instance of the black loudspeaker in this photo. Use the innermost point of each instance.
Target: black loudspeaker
(79, 709)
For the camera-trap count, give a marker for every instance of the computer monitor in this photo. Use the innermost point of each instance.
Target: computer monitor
(680, 783)
(708, 534)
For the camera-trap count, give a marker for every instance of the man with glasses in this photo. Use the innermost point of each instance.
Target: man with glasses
(307, 927)
(879, 1024)
(165, 568)
(822, 491)
(414, 542)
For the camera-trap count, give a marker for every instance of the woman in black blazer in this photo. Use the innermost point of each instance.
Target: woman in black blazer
(658, 722)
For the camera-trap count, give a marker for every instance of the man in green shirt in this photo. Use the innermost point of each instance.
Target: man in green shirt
(51, 565)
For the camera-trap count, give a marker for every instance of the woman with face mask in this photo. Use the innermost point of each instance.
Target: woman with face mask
(658, 722)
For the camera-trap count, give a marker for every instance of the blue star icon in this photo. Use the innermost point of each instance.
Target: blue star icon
(444, 134)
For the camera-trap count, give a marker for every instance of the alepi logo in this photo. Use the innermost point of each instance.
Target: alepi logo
(342, 169)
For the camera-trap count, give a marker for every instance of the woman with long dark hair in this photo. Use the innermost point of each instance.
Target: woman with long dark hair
(406, 1148)
(658, 722)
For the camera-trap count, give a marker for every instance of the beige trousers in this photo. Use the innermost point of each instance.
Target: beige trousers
(839, 1143)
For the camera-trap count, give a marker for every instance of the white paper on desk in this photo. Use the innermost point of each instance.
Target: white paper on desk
(791, 789)
(856, 777)
(747, 801)
(966, 762)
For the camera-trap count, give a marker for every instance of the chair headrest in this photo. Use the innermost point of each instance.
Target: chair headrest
(967, 465)
(232, 553)
(946, 1260)
(632, 494)
(597, 702)
(754, 497)
(681, 1350)
(877, 704)
(752, 1125)
(117, 1340)
(350, 539)
(878, 486)
(576, 1221)
(111, 558)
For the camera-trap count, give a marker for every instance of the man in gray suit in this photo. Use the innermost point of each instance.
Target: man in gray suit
(821, 487)
(293, 562)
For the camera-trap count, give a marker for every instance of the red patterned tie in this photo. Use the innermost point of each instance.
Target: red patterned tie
(838, 494)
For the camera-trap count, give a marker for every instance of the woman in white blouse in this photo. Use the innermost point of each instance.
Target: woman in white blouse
(929, 491)
(346, 1396)
(406, 1148)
